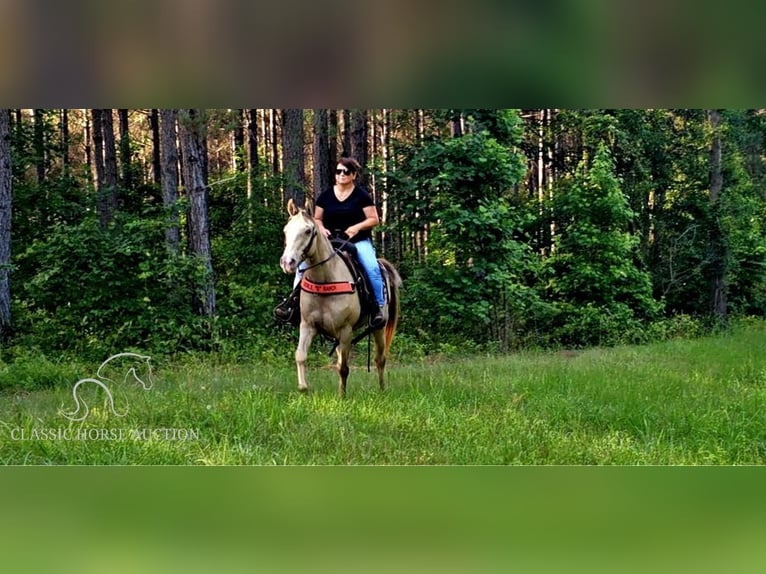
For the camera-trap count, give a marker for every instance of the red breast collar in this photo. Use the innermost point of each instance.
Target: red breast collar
(335, 288)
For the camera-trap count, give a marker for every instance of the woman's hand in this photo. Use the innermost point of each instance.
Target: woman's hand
(351, 231)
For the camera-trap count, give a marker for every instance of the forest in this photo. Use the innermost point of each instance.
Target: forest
(161, 229)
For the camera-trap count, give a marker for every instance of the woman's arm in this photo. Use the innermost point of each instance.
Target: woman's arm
(371, 212)
(318, 214)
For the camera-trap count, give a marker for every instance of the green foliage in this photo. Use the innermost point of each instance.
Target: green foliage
(613, 244)
(23, 370)
(97, 291)
(741, 212)
(250, 281)
(593, 274)
(477, 271)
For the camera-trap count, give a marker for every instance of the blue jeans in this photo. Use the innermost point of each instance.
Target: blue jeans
(369, 260)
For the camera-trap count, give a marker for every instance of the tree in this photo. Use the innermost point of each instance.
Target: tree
(238, 140)
(333, 135)
(39, 143)
(294, 157)
(742, 211)
(65, 140)
(169, 166)
(718, 255)
(104, 164)
(6, 179)
(473, 273)
(358, 136)
(111, 173)
(322, 167)
(345, 134)
(125, 151)
(252, 155)
(593, 275)
(192, 130)
(154, 125)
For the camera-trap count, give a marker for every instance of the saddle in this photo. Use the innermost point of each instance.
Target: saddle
(289, 310)
(347, 251)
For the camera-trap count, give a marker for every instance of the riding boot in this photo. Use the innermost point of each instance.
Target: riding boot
(377, 318)
(289, 310)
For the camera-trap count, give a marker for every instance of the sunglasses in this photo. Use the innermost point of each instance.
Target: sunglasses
(343, 172)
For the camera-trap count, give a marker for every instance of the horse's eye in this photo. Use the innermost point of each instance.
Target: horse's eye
(307, 232)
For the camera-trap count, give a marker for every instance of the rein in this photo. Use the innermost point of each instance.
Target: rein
(332, 288)
(308, 248)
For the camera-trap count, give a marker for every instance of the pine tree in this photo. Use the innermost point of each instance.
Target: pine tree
(6, 179)
(593, 274)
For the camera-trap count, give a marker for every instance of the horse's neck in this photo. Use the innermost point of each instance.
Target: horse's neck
(333, 268)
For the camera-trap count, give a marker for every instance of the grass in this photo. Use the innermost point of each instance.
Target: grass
(674, 403)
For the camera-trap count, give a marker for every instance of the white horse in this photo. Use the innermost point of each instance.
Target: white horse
(329, 301)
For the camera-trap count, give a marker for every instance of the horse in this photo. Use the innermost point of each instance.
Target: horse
(333, 307)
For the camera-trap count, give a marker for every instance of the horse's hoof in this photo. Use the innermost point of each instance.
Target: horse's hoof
(303, 390)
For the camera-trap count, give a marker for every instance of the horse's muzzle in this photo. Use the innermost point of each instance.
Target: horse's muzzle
(288, 264)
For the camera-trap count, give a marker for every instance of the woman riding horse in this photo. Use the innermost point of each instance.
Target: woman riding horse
(347, 207)
(329, 299)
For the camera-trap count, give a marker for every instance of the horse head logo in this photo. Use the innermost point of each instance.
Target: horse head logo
(143, 376)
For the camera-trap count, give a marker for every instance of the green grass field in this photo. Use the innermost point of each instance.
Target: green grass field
(683, 402)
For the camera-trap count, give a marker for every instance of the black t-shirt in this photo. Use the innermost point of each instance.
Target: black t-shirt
(340, 215)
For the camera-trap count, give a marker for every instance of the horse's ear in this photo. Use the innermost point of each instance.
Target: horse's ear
(291, 209)
(309, 208)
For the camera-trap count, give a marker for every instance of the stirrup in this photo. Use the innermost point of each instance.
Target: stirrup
(289, 310)
(377, 319)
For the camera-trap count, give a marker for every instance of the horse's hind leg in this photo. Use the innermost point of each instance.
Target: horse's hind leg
(380, 356)
(301, 354)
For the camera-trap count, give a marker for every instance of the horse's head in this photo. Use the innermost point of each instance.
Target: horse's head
(300, 232)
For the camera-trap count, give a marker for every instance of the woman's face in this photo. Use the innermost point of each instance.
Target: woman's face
(343, 174)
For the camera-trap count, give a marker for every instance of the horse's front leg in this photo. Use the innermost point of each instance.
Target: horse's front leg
(301, 354)
(344, 349)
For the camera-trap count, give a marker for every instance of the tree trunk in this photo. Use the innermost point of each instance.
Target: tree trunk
(192, 125)
(238, 143)
(97, 168)
(456, 124)
(359, 146)
(346, 133)
(293, 156)
(272, 148)
(111, 180)
(125, 159)
(322, 178)
(332, 134)
(274, 130)
(6, 181)
(718, 287)
(252, 154)
(104, 164)
(39, 144)
(65, 141)
(169, 178)
(154, 124)
(88, 137)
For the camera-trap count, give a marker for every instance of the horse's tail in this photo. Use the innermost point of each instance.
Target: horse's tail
(394, 309)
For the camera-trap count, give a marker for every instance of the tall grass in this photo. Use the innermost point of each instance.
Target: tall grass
(678, 402)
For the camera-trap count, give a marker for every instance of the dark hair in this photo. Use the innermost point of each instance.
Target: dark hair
(350, 164)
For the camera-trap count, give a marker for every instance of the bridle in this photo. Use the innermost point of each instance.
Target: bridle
(308, 248)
